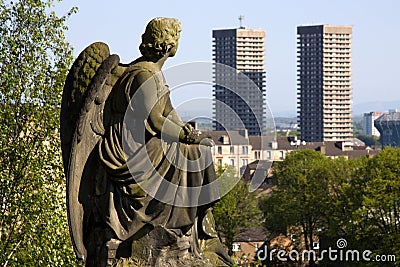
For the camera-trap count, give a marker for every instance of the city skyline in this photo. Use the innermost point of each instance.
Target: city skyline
(120, 25)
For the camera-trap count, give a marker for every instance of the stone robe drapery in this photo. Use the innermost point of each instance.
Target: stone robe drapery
(147, 181)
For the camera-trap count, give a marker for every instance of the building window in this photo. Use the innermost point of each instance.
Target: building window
(232, 162)
(219, 148)
(220, 162)
(268, 154)
(232, 150)
(245, 150)
(245, 162)
(280, 154)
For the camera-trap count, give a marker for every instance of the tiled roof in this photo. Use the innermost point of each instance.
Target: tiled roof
(285, 143)
(263, 167)
(262, 164)
(359, 153)
(332, 149)
(261, 142)
(235, 138)
(252, 234)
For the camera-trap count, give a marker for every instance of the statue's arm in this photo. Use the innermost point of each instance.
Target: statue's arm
(171, 113)
(155, 106)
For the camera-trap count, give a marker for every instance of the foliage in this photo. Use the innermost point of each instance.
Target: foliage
(287, 133)
(236, 210)
(301, 197)
(358, 125)
(346, 193)
(329, 199)
(372, 141)
(378, 218)
(34, 59)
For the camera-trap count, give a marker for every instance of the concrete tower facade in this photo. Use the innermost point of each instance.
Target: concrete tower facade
(324, 83)
(368, 126)
(238, 101)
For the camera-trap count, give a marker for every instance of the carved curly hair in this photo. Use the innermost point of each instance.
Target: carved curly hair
(160, 36)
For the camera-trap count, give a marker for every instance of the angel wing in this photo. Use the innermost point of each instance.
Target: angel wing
(83, 120)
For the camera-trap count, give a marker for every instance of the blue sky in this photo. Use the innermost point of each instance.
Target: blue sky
(376, 37)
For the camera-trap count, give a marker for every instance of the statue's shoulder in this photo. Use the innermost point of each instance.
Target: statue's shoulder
(141, 67)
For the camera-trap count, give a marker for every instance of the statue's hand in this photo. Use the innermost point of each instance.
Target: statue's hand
(188, 128)
(197, 137)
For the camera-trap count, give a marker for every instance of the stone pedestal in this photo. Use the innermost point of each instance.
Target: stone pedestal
(162, 248)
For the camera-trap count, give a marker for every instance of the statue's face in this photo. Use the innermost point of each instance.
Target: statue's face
(173, 50)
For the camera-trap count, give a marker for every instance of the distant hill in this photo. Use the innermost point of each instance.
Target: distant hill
(285, 114)
(383, 106)
(358, 110)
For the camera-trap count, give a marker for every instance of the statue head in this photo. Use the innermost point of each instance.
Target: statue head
(160, 37)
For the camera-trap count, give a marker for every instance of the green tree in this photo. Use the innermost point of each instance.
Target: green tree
(236, 210)
(346, 189)
(301, 199)
(356, 199)
(34, 60)
(357, 125)
(377, 221)
(372, 141)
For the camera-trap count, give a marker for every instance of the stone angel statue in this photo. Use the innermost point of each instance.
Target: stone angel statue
(130, 202)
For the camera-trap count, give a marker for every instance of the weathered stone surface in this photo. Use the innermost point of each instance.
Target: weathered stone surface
(162, 248)
(114, 220)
